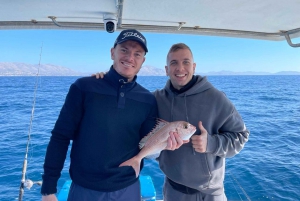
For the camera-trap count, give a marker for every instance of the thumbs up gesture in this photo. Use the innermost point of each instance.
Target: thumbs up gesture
(200, 141)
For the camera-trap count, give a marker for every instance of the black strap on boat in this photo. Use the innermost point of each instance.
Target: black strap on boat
(182, 188)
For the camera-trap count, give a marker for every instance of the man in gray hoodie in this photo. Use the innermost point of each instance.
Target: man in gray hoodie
(195, 171)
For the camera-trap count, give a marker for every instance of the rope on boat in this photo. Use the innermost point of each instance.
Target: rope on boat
(244, 192)
(28, 183)
(235, 187)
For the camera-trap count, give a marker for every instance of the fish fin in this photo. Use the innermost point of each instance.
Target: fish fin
(159, 124)
(135, 163)
(161, 121)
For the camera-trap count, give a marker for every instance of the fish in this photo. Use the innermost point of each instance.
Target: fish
(157, 140)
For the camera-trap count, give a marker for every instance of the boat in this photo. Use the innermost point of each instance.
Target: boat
(148, 192)
(268, 20)
(272, 20)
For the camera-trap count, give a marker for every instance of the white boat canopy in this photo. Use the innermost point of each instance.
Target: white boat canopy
(259, 19)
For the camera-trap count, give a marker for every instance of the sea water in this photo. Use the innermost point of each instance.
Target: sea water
(268, 168)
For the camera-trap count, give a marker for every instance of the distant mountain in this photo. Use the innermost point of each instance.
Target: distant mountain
(249, 73)
(151, 71)
(234, 73)
(22, 69)
(288, 73)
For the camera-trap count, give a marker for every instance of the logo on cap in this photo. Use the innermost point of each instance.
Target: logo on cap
(128, 34)
(132, 34)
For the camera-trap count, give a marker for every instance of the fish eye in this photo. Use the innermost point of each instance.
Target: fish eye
(185, 126)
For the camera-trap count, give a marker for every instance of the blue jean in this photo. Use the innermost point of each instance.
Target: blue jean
(79, 193)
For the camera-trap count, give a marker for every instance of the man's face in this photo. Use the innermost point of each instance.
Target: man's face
(128, 58)
(180, 67)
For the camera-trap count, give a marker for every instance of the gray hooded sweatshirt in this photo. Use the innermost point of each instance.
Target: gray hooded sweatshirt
(227, 135)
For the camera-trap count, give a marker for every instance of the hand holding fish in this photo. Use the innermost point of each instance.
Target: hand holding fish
(175, 141)
(158, 139)
(200, 141)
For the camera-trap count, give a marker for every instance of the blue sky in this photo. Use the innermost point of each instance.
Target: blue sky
(89, 51)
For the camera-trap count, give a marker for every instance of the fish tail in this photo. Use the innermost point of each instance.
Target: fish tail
(135, 163)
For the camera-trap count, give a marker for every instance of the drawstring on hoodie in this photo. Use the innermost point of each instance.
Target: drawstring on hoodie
(187, 117)
(186, 113)
(172, 108)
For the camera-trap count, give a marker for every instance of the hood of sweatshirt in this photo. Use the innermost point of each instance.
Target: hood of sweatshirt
(201, 85)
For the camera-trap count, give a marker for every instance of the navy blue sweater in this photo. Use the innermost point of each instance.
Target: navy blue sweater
(105, 119)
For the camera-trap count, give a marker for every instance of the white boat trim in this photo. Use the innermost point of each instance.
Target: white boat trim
(268, 20)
